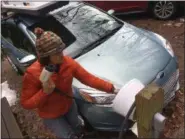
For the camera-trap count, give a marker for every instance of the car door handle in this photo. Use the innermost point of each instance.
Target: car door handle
(2, 46)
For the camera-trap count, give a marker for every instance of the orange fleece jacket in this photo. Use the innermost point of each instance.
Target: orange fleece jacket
(54, 104)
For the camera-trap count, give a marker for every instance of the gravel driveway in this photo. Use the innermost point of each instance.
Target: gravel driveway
(31, 125)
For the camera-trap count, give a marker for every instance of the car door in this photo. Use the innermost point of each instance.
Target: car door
(13, 34)
(15, 45)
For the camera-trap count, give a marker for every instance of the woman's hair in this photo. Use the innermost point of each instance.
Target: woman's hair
(44, 61)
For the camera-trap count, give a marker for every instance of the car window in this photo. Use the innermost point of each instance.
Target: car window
(17, 38)
(10, 49)
(6, 33)
(56, 27)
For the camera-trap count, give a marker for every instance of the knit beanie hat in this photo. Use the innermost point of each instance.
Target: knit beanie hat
(48, 43)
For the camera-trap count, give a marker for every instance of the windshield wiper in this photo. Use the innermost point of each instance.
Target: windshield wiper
(98, 42)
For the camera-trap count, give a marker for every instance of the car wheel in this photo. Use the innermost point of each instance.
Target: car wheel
(87, 125)
(15, 68)
(164, 10)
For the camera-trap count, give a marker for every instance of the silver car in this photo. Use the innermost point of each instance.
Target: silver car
(106, 47)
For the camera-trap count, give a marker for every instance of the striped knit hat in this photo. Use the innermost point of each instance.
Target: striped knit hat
(47, 43)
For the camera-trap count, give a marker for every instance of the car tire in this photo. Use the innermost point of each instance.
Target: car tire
(87, 125)
(14, 67)
(163, 10)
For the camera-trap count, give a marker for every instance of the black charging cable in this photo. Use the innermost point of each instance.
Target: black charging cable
(125, 122)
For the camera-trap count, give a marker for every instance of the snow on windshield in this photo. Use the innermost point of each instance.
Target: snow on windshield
(85, 22)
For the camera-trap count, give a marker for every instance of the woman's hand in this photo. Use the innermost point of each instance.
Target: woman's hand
(115, 90)
(48, 87)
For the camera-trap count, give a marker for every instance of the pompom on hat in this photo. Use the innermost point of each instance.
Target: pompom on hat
(48, 43)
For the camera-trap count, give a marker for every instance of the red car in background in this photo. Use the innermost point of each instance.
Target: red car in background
(160, 9)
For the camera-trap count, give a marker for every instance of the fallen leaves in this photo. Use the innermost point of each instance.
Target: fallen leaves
(182, 20)
(169, 24)
(175, 115)
(175, 24)
(178, 24)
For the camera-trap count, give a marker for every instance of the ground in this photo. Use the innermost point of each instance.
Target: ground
(173, 30)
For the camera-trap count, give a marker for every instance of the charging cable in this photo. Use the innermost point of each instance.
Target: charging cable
(125, 122)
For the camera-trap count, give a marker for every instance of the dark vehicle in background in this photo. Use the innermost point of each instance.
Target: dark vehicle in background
(159, 9)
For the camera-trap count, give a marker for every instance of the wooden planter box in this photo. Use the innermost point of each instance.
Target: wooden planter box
(9, 126)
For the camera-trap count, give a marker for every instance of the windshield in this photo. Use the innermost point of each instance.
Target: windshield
(86, 23)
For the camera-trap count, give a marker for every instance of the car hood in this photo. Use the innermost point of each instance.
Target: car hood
(129, 53)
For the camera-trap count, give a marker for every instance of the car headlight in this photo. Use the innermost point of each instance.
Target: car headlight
(96, 96)
(169, 48)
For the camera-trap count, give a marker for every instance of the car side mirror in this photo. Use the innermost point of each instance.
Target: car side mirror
(111, 11)
(27, 60)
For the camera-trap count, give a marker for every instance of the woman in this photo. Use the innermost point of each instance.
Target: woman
(58, 112)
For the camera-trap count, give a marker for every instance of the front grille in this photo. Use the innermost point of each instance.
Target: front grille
(170, 86)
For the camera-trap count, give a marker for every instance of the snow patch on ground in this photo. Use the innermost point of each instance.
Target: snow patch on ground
(8, 93)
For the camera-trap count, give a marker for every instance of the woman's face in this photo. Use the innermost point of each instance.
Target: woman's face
(56, 58)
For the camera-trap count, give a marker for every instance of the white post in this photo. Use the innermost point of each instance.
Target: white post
(158, 124)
